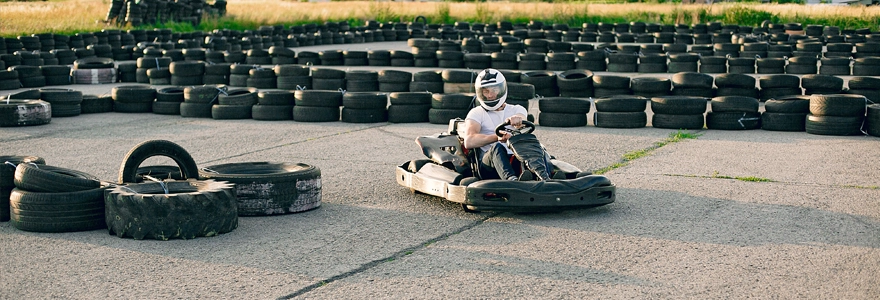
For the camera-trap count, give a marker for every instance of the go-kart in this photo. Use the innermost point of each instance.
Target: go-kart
(453, 173)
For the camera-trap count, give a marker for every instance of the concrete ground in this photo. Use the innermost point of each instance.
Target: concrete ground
(801, 221)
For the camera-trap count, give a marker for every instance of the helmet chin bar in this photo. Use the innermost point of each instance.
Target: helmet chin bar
(493, 105)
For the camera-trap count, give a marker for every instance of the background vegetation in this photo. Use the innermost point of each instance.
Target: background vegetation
(71, 16)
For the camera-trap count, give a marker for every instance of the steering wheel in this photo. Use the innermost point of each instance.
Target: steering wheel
(528, 127)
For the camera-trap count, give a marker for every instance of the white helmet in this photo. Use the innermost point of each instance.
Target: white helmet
(491, 89)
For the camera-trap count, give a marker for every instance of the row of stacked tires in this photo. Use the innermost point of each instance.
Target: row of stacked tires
(153, 202)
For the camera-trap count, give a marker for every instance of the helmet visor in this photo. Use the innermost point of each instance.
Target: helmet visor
(491, 93)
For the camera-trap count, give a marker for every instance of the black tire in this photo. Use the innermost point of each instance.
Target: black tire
(611, 82)
(50, 179)
(352, 115)
(133, 94)
(564, 105)
(733, 120)
(394, 76)
(230, 112)
(872, 120)
(272, 112)
(452, 101)
(166, 108)
(187, 68)
(458, 76)
(190, 209)
(841, 105)
(779, 81)
(238, 97)
(275, 98)
(291, 70)
(141, 152)
(771, 93)
(264, 188)
(783, 121)
(66, 110)
(735, 81)
(575, 80)
(522, 91)
(791, 104)
(170, 94)
(38, 112)
(826, 82)
(365, 100)
(92, 104)
(442, 115)
(318, 98)
(834, 125)
(620, 119)
(866, 83)
(622, 103)
(202, 94)
(678, 105)
(7, 170)
(93, 63)
(734, 104)
(651, 84)
(57, 212)
(692, 80)
(694, 121)
(61, 96)
(315, 113)
(399, 113)
(562, 120)
(410, 98)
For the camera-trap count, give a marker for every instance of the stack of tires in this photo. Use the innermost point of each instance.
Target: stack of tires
(364, 107)
(562, 61)
(65, 102)
(591, 60)
(54, 199)
(477, 61)
(409, 107)
(273, 106)
(361, 81)
(292, 77)
(427, 81)
(239, 74)
(741, 65)
(458, 81)
(544, 82)
(788, 113)
(802, 65)
(261, 78)
(146, 64)
(610, 85)
(534, 61)
(282, 55)
(652, 63)
(258, 57)
(168, 101)
(31, 76)
(235, 104)
(621, 112)
(736, 85)
(401, 58)
(678, 112)
(133, 98)
(217, 73)
(520, 93)
(186, 72)
(693, 84)
(836, 114)
(504, 60)
(126, 71)
(199, 100)
(866, 66)
(9, 80)
(168, 209)
(7, 179)
(316, 105)
(424, 52)
(682, 62)
(575, 83)
(450, 59)
(391, 81)
(60, 75)
(835, 66)
(733, 113)
(445, 107)
(308, 58)
(623, 62)
(865, 86)
(770, 65)
(328, 79)
(779, 85)
(563, 111)
(379, 58)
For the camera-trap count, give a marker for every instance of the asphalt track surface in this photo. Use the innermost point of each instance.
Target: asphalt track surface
(680, 228)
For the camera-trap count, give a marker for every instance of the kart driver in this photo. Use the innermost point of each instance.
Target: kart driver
(481, 121)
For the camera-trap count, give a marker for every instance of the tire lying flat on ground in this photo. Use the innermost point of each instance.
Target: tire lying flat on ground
(188, 210)
(266, 188)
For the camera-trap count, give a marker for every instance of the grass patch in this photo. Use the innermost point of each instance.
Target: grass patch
(628, 157)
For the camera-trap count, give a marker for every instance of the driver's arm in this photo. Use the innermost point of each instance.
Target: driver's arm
(473, 138)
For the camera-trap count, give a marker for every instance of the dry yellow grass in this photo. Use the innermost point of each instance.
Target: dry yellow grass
(82, 15)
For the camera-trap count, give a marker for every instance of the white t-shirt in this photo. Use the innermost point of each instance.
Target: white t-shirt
(488, 120)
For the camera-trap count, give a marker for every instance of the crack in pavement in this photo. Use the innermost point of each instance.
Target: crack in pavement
(397, 255)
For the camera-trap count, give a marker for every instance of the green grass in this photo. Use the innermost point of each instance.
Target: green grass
(628, 157)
